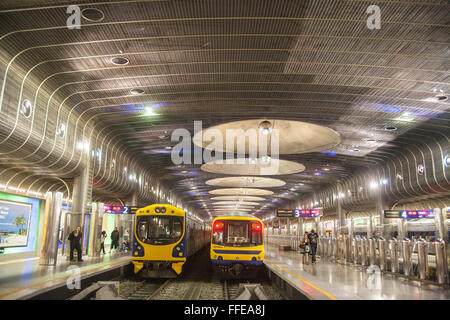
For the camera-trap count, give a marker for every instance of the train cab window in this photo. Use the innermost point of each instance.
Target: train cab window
(237, 233)
(160, 230)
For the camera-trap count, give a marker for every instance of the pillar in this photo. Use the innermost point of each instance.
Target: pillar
(82, 195)
(379, 208)
(339, 211)
(96, 229)
(52, 219)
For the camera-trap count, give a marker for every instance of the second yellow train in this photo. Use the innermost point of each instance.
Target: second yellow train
(237, 245)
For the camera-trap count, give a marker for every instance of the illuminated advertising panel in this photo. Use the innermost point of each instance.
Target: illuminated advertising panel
(14, 224)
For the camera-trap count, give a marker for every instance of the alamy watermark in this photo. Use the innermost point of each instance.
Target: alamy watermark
(374, 20)
(74, 280)
(231, 146)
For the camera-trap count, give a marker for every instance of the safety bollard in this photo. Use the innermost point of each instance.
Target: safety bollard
(422, 255)
(393, 246)
(407, 256)
(364, 243)
(372, 252)
(441, 262)
(382, 254)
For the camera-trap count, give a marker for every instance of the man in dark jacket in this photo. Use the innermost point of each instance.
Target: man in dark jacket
(75, 243)
(114, 239)
(313, 241)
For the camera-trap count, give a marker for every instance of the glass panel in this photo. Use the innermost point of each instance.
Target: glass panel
(160, 230)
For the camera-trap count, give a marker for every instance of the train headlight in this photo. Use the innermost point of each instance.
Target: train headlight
(157, 210)
(177, 248)
(163, 210)
(139, 247)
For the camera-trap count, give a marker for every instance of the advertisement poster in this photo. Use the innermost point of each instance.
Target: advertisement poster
(14, 224)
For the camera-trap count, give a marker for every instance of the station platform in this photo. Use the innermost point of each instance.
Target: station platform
(327, 280)
(26, 279)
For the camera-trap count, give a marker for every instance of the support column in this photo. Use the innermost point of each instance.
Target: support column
(82, 195)
(288, 226)
(52, 218)
(439, 223)
(96, 229)
(380, 207)
(339, 211)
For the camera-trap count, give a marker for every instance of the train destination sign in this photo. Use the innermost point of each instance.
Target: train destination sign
(408, 214)
(298, 213)
(120, 209)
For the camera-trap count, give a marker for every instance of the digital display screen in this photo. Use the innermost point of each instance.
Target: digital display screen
(408, 214)
(120, 209)
(14, 224)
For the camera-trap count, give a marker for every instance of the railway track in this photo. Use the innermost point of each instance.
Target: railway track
(198, 282)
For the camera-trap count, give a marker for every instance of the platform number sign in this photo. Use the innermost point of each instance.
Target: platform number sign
(404, 215)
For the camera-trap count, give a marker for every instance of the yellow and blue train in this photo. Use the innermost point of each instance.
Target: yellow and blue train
(164, 236)
(237, 245)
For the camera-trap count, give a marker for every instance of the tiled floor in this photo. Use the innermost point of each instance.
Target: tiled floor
(23, 278)
(329, 280)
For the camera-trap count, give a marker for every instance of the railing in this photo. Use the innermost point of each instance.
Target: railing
(410, 258)
(284, 240)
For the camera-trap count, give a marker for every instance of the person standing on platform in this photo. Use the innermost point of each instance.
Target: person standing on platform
(102, 241)
(75, 243)
(115, 239)
(313, 240)
(304, 245)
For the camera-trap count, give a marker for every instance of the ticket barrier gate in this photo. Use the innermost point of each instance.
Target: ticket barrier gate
(441, 262)
(354, 247)
(422, 257)
(407, 256)
(393, 252)
(372, 252)
(382, 254)
(363, 248)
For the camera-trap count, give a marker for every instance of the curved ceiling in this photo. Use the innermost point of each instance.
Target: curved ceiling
(219, 62)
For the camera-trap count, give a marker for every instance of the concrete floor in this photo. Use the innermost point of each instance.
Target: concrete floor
(329, 280)
(23, 278)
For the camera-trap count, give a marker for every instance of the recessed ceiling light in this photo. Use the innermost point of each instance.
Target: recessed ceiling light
(265, 127)
(92, 14)
(26, 108)
(390, 128)
(120, 61)
(61, 131)
(168, 147)
(137, 91)
(355, 150)
(447, 161)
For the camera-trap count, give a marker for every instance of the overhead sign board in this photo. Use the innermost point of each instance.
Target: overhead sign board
(298, 213)
(408, 214)
(120, 209)
(285, 213)
(306, 213)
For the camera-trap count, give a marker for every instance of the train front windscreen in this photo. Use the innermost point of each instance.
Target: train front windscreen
(159, 230)
(237, 233)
